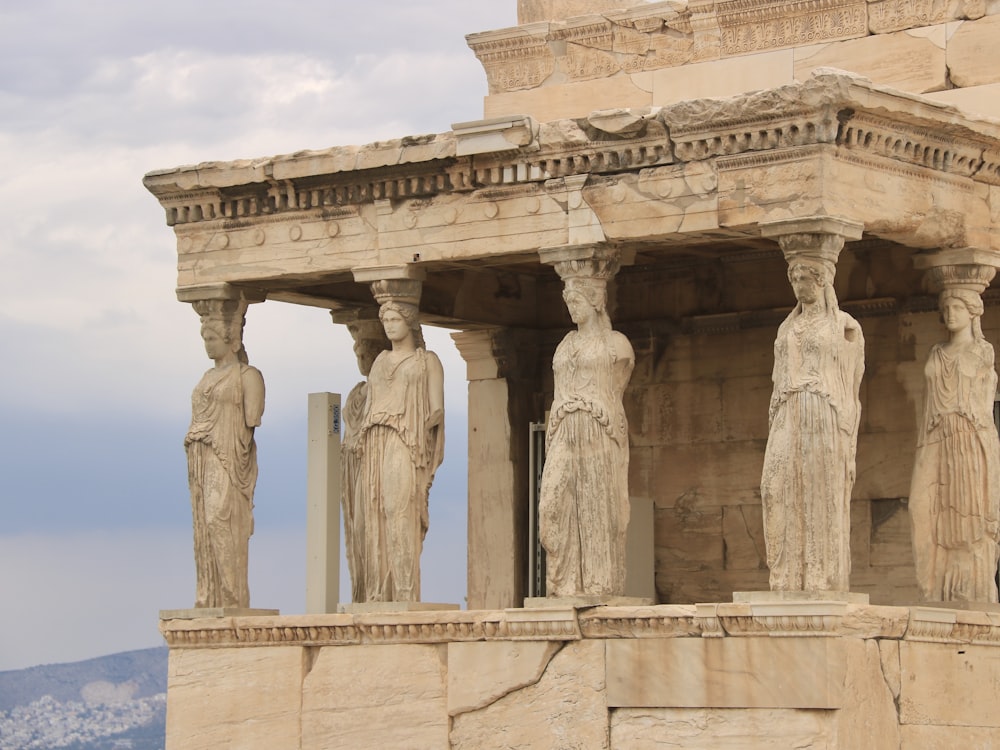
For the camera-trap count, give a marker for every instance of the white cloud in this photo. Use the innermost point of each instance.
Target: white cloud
(91, 98)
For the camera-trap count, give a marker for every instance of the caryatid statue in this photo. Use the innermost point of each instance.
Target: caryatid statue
(400, 446)
(815, 411)
(583, 510)
(226, 406)
(955, 491)
(369, 342)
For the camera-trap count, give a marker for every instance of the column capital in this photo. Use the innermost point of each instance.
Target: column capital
(350, 315)
(958, 268)
(818, 238)
(223, 291)
(477, 349)
(597, 261)
(400, 272)
(846, 228)
(362, 323)
(492, 353)
(400, 283)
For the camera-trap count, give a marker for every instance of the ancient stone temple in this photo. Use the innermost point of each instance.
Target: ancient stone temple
(765, 233)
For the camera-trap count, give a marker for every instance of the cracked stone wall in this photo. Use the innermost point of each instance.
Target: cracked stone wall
(885, 677)
(566, 703)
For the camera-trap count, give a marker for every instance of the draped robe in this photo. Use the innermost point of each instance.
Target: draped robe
(399, 455)
(809, 462)
(222, 475)
(584, 505)
(955, 491)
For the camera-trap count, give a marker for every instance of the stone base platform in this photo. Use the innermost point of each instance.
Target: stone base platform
(809, 674)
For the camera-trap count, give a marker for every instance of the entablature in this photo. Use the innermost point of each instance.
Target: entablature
(658, 181)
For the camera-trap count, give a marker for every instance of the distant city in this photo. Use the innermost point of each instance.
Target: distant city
(116, 702)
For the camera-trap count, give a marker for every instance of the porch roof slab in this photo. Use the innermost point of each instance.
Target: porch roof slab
(699, 177)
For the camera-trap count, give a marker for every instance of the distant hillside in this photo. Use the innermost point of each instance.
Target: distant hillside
(115, 702)
(147, 669)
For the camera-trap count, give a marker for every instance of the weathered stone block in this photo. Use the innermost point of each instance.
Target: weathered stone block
(718, 78)
(568, 100)
(745, 403)
(896, 586)
(689, 539)
(867, 717)
(743, 537)
(978, 101)
(910, 61)
(719, 728)
(682, 412)
(726, 673)
(972, 53)
(949, 684)
(566, 707)
(713, 474)
(921, 737)
(349, 694)
(234, 697)
(481, 673)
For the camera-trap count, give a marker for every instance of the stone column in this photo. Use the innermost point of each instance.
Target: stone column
(954, 498)
(500, 366)
(401, 442)
(227, 405)
(584, 506)
(815, 411)
(369, 341)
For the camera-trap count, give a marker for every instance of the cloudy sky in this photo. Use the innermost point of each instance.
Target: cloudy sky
(98, 359)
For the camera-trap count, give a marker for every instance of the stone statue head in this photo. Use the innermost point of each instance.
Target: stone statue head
(973, 303)
(593, 291)
(225, 318)
(228, 331)
(409, 313)
(369, 342)
(822, 272)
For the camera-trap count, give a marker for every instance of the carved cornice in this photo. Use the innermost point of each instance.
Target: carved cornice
(943, 625)
(664, 621)
(837, 113)
(971, 277)
(402, 627)
(923, 146)
(514, 59)
(886, 16)
(805, 619)
(795, 115)
(750, 26)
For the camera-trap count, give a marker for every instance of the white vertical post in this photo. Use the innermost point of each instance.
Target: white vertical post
(323, 504)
